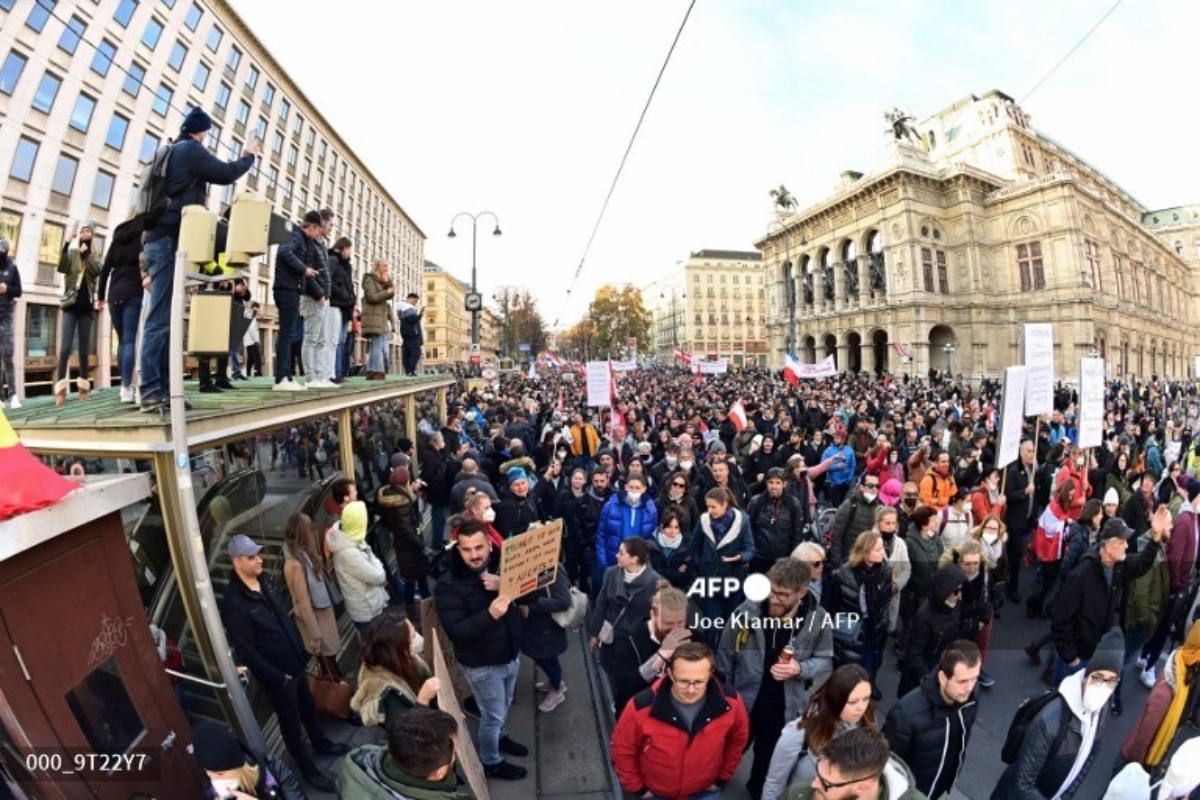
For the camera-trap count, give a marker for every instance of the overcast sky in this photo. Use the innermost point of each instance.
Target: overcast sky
(524, 108)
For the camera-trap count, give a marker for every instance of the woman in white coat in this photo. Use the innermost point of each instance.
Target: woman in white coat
(360, 573)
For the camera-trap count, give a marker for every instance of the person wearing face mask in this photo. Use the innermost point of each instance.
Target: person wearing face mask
(887, 522)
(937, 485)
(987, 498)
(393, 678)
(976, 605)
(937, 623)
(668, 464)
(231, 770)
(858, 595)
(518, 510)
(992, 537)
(677, 493)
(910, 498)
(855, 515)
(1074, 469)
(1061, 743)
(626, 514)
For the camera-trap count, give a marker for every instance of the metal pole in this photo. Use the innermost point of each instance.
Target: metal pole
(474, 314)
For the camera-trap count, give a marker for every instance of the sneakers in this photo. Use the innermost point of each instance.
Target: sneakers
(509, 747)
(552, 701)
(985, 680)
(544, 687)
(14, 403)
(321, 782)
(1148, 677)
(126, 394)
(288, 385)
(504, 771)
(1032, 650)
(321, 385)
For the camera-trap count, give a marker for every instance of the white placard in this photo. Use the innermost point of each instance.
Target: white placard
(1091, 402)
(718, 367)
(598, 390)
(1038, 340)
(1012, 417)
(625, 366)
(825, 368)
(1196, 369)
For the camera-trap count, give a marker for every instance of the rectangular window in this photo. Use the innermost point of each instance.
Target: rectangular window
(213, 140)
(298, 125)
(41, 323)
(235, 149)
(133, 80)
(268, 96)
(71, 35)
(51, 244)
(233, 59)
(153, 33)
(162, 100)
(1091, 255)
(64, 175)
(321, 151)
(243, 112)
(289, 189)
(106, 51)
(1029, 264)
(277, 143)
(927, 268)
(223, 92)
(292, 155)
(285, 108)
(102, 192)
(81, 117)
(40, 14)
(22, 166)
(943, 277)
(193, 17)
(10, 73)
(311, 138)
(202, 73)
(261, 128)
(178, 54)
(273, 176)
(125, 12)
(1119, 269)
(116, 132)
(214, 38)
(149, 147)
(47, 91)
(252, 77)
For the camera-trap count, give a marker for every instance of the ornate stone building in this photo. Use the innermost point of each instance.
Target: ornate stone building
(971, 223)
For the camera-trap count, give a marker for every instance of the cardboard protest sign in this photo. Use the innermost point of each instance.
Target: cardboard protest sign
(431, 628)
(464, 748)
(1011, 416)
(529, 561)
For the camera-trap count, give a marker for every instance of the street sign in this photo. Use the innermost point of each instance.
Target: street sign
(475, 358)
(523, 347)
(475, 348)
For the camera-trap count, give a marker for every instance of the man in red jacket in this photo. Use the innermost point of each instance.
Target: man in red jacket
(683, 738)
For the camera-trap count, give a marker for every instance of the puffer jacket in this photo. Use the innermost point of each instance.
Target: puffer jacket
(120, 277)
(368, 773)
(653, 751)
(341, 283)
(360, 575)
(1148, 599)
(843, 594)
(1036, 773)
(740, 656)
(936, 624)
(619, 520)
(931, 735)
(923, 555)
(707, 550)
(541, 636)
(854, 516)
(190, 169)
(397, 507)
(462, 606)
(293, 258)
(778, 525)
(374, 320)
(897, 783)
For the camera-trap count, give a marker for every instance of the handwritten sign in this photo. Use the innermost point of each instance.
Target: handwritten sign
(464, 749)
(1011, 416)
(1196, 368)
(599, 392)
(825, 368)
(529, 561)
(1091, 402)
(625, 366)
(1038, 340)
(718, 367)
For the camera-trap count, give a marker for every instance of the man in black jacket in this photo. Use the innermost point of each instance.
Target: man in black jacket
(639, 656)
(777, 521)
(190, 168)
(855, 515)
(485, 629)
(929, 728)
(411, 336)
(260, 628)
(341, 304)
(10, 290)
(1019, 514)
(295, 263)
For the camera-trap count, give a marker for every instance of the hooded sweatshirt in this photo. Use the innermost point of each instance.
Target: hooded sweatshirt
(897, 783)
(360, 574)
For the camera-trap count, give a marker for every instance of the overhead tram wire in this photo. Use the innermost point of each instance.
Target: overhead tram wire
(620, 168)
(1070, 52)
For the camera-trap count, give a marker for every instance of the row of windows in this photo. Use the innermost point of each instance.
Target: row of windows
(65, 170)
(736, 279)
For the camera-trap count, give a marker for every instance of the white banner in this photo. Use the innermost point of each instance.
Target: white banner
(1011, 417)
(825, 368)
(598, 389)
(1038, 341)
(1091, 402)
(718, 367)
(624, 366)
(1196, 369)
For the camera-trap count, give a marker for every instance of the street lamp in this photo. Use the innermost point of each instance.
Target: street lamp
(947, 348)
(474, 303)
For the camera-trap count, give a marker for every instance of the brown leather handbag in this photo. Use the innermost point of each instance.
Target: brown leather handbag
(329, 689)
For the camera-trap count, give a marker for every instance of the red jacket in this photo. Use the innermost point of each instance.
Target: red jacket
(652, 751)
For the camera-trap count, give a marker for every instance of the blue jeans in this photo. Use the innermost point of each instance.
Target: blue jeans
(156, 334)
(288, 305)
(553, 669)
(493, 688)
(125, 318)
(378, 355)
(1061, 670)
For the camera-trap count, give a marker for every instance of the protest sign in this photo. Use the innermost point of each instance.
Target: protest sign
(1038, 344)
(1011, 417)
(1090, 422)
(529, 561)
(464, 748)
(599, 385)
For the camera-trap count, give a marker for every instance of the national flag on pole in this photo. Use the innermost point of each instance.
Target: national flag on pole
(737, 415)
(695, 365)
(791, 369)
(28, 483)
(686, 358)
(902, 349)
(554, 361)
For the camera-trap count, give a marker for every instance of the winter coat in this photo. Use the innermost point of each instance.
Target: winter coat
(260, 629)
(190, 168)
(931, 735)
(515, 514)
(397, 507)
(541, 636)
(653, 751)
(897, 557)
(462, 606)
(623, 604)
(707, 550)
(676, 566)
(854, 516)
(1148, 599)
(936, 624)
(792, 763)
(83, 272)
(1086, 608)
(360, 575)
(1017, 504)
(435, 474)
(1036, 773)
(778, 525)
(341, 284)
(840, 474)
(375, 315)
(121, 275)
(1080, 539)
(923, 555)
(312, 622)
(410, 327)
(897, 783)
(687, 506)
(368, 773)
(1137, 742)
(590, 508)
(294, 257)
(1182, 549)
(619, 520)
(740, 659)
(936, 490)
(275, 780)
(843, 593)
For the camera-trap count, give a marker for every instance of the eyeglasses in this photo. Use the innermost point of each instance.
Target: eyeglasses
(870, 485)
(826, 785)
(1096, 680)
(691, 684)
(679, 485)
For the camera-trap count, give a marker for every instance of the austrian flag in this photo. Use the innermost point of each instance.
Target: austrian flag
(737, 415)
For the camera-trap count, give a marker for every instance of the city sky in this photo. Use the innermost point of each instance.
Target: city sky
(525, 108)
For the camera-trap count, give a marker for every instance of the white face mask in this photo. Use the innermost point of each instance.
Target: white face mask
(991, 538)
(633, 497)
(1095, 697)
(489, 515)
(672, 461)
(225, 787)
(870, 496)
(418, 644)
(685, 465)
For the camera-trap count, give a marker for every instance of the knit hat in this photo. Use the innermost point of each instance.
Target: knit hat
(196, 121)
(948, 578)
(216, 748)
(1110, 653)
(1111, 498)
(601, 453)
(889, 493)
(516, 474)
(1193, 489)
(354, 521)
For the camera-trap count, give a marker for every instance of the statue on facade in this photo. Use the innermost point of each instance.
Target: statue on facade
(903, 127)
(783, 199)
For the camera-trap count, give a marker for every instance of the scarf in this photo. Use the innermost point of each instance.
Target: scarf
(669, 543)
(1186, 656)
(630, 577)
(1088, 723)
(870, 577)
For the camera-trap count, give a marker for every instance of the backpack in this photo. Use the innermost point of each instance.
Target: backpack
(151, 199)
(1027, 712)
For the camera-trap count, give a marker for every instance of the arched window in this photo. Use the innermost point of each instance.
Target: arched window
(877, 274)
(850, 268)
(807, 276)
(1196, 245)
(827, 274)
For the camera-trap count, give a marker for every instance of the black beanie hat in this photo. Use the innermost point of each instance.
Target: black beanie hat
(196, 121)
(1110, 653)
(216, 748)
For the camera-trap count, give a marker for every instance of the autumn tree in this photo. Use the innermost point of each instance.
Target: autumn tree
(618, 314)
(522, 322)
(577, 341)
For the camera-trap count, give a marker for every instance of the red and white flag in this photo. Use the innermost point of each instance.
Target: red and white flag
(737, 415)
(902, 349)
(791, 369)
(686, 358)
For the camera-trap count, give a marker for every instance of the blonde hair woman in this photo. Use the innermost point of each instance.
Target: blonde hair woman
(977, 605)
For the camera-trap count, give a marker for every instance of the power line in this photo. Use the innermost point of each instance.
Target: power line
(621, 167)
(1070, 52)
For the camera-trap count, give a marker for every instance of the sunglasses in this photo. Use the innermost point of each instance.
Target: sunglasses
(679, 485)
